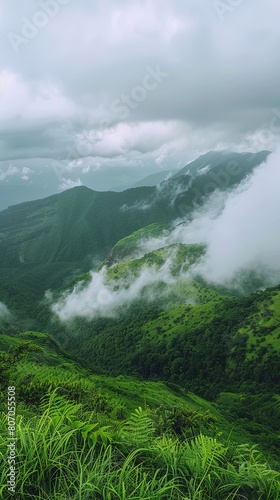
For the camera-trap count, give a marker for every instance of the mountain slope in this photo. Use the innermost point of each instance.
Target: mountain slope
(214, 347)
(143, 327)
(81, 223)
(164, 329)
(65, 233)
(35, 363)
(149, 180)
(46, 243)
(154, 179)
(223, 160)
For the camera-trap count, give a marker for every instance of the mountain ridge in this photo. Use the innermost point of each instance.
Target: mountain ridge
(106, 305)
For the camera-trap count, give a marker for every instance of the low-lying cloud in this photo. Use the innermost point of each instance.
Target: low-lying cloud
(240, 230)
(105, 298)
(246, 236)
(4, 312)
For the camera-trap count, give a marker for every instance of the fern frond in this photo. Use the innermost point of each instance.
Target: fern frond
(138, 428)
(57, 407)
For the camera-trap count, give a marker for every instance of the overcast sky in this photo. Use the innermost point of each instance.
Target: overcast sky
(145, 84)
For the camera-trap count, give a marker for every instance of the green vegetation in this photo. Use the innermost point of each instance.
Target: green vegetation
(151, 231)
(62, 455)
(44, 242)
(128, 246)
(263, 328)
(183, 256)
(175, 397)
(84, 436)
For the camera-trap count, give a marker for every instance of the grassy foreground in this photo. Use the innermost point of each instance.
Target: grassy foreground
(63, 456)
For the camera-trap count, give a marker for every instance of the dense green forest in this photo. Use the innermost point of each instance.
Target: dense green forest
(166, 388)
(86, 436)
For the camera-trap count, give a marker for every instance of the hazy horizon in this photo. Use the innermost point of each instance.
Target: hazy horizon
(105, 93)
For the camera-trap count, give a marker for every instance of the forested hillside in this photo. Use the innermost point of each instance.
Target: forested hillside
(126, 353)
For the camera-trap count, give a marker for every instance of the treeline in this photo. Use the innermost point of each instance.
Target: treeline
(207, 358)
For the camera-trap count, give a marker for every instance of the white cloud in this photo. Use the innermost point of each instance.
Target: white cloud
(106, 298)
(4, 312)
(145, 20)
(158, 139)
(245, 236)
(69, 184)
(11, 170)
(26, 171)
(85, 165)
(220, 92)
(241, 229)
(20, 100)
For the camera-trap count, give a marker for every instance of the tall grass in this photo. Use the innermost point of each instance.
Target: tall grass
(62, 457)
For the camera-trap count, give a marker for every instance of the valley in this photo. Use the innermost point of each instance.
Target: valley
(118, 340)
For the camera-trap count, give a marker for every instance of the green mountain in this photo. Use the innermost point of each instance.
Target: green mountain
(224, 160)
(45, 241)
(132, 361)
(149, 180)
(154, 179)
(163, 332)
